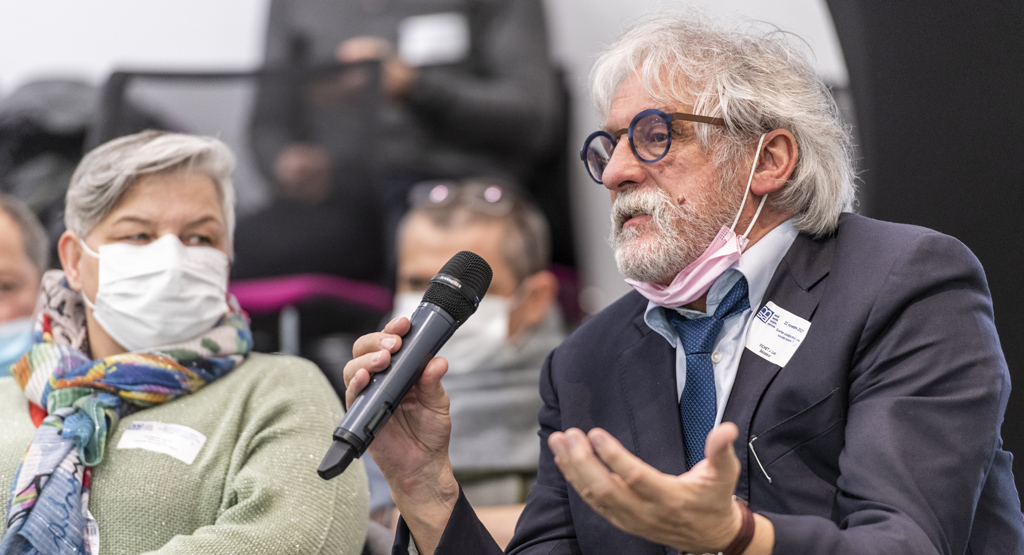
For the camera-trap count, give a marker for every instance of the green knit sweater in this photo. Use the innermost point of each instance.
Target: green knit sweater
(251, 489)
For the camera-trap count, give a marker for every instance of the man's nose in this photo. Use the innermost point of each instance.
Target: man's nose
(623, 169)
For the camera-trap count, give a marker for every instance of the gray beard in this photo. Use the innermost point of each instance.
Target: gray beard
(682, 232)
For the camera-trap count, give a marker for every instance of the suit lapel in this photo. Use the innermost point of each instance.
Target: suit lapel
(647, 377)
(796, 286)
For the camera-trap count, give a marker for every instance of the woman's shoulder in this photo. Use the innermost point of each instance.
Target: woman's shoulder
(277, 365)
(10, 392)
(289, 378)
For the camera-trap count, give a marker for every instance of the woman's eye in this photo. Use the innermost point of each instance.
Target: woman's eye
(199, 240)
(135, 238)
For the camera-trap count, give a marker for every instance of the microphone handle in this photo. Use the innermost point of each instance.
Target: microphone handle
(431, 327)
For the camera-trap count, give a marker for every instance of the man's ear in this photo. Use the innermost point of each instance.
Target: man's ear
(538, 293)
(775, 166)
(70, 252)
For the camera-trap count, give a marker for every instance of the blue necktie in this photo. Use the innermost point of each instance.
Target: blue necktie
(697, 404)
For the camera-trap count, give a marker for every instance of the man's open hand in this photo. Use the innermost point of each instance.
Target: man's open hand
(693, 512)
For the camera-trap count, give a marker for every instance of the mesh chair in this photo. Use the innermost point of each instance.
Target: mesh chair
(306, 264)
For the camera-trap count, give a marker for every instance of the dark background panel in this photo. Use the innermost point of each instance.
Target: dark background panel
(938, 92)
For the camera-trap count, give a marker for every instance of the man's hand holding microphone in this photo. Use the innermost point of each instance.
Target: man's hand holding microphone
(394, 375)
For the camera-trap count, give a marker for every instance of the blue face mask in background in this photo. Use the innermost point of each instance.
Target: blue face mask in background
(15, 341)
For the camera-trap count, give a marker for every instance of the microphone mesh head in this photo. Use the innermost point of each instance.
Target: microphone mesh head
(460, 296)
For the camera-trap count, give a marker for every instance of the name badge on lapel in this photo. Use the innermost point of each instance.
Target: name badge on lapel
(776, 333)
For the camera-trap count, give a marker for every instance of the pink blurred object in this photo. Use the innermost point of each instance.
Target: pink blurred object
(270, 295)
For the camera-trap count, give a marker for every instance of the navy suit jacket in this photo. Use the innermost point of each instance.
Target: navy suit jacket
(880, 435)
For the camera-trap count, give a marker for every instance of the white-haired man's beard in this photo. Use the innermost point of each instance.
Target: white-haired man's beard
(681, 233)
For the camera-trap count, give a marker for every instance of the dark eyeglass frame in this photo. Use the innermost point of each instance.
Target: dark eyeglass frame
(614, 137)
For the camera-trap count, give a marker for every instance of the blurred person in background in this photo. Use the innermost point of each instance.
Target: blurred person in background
(24, 256)
(469, 88)
(140, 421)
(497, 356)
(341, 233)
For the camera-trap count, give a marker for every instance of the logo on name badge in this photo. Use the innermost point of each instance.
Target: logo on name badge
(776, 334)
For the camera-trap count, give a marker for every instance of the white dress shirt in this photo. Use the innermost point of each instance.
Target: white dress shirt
(757, 264)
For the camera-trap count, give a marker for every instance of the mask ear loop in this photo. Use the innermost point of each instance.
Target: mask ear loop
(518, 297)
(88, 251)
(750, 180)
(95, 255)
(521, 293)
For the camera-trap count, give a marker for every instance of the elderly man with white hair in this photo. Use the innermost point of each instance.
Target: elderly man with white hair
(788, 377)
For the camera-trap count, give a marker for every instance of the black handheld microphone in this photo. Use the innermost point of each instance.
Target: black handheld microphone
(452, 296)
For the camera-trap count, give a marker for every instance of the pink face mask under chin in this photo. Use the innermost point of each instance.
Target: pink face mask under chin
(723, 253)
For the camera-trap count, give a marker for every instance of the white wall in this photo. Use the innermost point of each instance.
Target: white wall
(89, 38)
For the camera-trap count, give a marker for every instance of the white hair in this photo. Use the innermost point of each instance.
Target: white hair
(107, 172)
(756, 82)
(683, 231)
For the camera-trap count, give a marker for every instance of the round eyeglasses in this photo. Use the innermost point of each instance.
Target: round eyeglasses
(650, 137)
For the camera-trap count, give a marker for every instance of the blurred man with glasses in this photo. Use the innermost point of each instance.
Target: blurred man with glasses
(788, 377)
(495, 362)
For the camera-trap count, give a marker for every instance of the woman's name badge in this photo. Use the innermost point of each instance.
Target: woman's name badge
(776, 333)
(180, 442)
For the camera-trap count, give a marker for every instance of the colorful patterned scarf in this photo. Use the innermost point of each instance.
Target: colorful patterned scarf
(85, 399)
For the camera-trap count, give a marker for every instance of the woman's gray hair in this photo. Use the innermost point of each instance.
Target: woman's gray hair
(757, 82)
(33, 236)
(107, 172)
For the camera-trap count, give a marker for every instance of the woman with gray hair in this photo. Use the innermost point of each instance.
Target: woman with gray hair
(140, 420)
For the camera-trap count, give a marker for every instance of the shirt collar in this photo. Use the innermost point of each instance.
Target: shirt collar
(757, 264)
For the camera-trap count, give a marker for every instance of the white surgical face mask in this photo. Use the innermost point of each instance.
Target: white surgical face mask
(477, 340)
(159, 294)
(15, 341)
